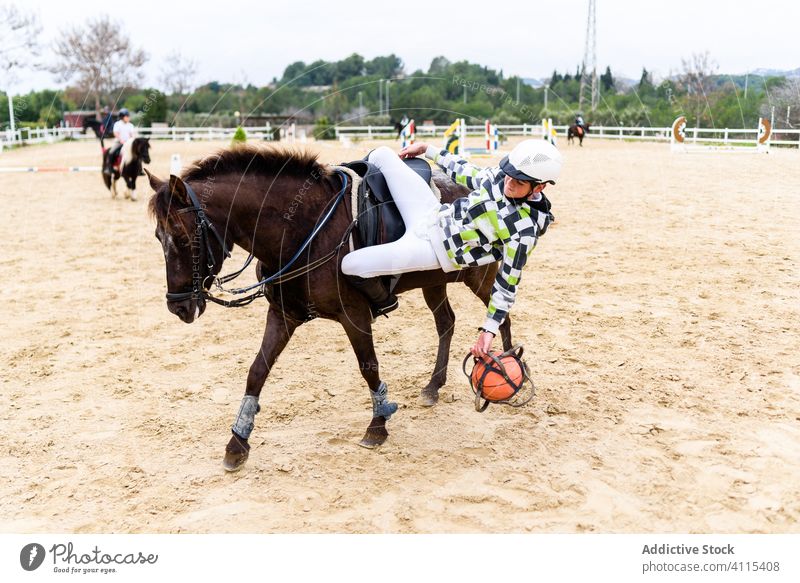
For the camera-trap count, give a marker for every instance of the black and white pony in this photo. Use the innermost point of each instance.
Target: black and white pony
(128, 165)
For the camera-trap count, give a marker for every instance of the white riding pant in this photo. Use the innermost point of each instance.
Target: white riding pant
(417, 205)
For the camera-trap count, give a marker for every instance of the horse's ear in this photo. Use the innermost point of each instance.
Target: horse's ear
(155, 182)
(178, 189)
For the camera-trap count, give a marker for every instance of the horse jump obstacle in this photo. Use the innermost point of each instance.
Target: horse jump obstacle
(678, 141)
(455, 138)
(408, 134)
(549, 130)
(14, 169)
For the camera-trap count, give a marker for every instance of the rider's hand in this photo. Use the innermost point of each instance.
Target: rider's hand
(483, 345)
(413, 150)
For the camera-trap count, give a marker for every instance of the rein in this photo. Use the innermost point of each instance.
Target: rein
(281, 276)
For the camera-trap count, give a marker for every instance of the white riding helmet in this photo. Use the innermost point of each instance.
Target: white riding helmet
(533, 161)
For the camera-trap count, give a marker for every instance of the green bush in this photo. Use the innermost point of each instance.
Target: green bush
(239, 136)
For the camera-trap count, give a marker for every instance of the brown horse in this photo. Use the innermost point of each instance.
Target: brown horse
(267, 201)
(576, 131)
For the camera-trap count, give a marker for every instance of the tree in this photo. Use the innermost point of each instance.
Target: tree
(646, 80)
(178, 73)
(439, 65)
(384, 67)
(18, 39)
(98, 58)
(607, 80)
(352, 66)
(154, 108)
(696, 80)
(785, 99)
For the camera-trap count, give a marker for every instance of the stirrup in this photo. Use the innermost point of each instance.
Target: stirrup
(392, 304)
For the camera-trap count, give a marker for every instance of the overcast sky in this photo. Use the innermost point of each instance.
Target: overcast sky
(252, 41)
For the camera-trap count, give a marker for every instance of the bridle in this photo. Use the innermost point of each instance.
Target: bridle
(206, 226)
(281, 276)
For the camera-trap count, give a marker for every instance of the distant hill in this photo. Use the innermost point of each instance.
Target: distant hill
(621, 82)
(793, 74)
(535, 83)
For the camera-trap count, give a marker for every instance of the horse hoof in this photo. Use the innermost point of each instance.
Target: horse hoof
(376, 433)
(234, 461)
(374, 437)
(428, 397)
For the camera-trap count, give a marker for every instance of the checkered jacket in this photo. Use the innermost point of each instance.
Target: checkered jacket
(485, 227)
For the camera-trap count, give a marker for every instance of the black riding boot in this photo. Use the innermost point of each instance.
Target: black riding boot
(381, 301)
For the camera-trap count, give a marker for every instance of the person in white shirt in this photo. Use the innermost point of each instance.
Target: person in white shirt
(123, 130)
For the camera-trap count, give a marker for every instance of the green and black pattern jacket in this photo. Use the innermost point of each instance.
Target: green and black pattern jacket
(486, 226)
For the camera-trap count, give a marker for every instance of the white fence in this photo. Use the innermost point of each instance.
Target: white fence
(780, 137)
(725, 136)
(204, 133)
(30, 136)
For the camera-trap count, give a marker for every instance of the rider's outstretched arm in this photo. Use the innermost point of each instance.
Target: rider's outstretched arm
(459, 170)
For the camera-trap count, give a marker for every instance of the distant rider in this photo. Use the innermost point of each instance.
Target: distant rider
(124, 130)
(107, 121)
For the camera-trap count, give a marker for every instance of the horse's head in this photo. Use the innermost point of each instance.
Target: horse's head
(191, 254)
(141, 149)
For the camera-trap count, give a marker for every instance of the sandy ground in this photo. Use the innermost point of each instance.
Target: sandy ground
(660, 315)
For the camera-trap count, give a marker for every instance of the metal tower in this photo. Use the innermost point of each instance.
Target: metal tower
(589, 65)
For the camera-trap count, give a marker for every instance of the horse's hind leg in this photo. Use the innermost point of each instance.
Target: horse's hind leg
(445, 318)
(358, 327)
(480, 281)
(277, 333)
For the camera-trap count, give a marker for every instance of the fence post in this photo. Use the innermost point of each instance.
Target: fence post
(725, 139)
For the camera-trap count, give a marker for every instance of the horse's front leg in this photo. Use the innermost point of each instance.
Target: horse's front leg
(359, 332)
(445, 318)
(277, 333)
(131, 187)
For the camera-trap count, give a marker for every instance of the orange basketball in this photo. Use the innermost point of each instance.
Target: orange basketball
(495, 386)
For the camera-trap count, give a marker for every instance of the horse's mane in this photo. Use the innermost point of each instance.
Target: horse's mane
(264, 160)
(245, 159)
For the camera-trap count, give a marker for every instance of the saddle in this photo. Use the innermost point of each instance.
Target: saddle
(117, 161)
(379, 221)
